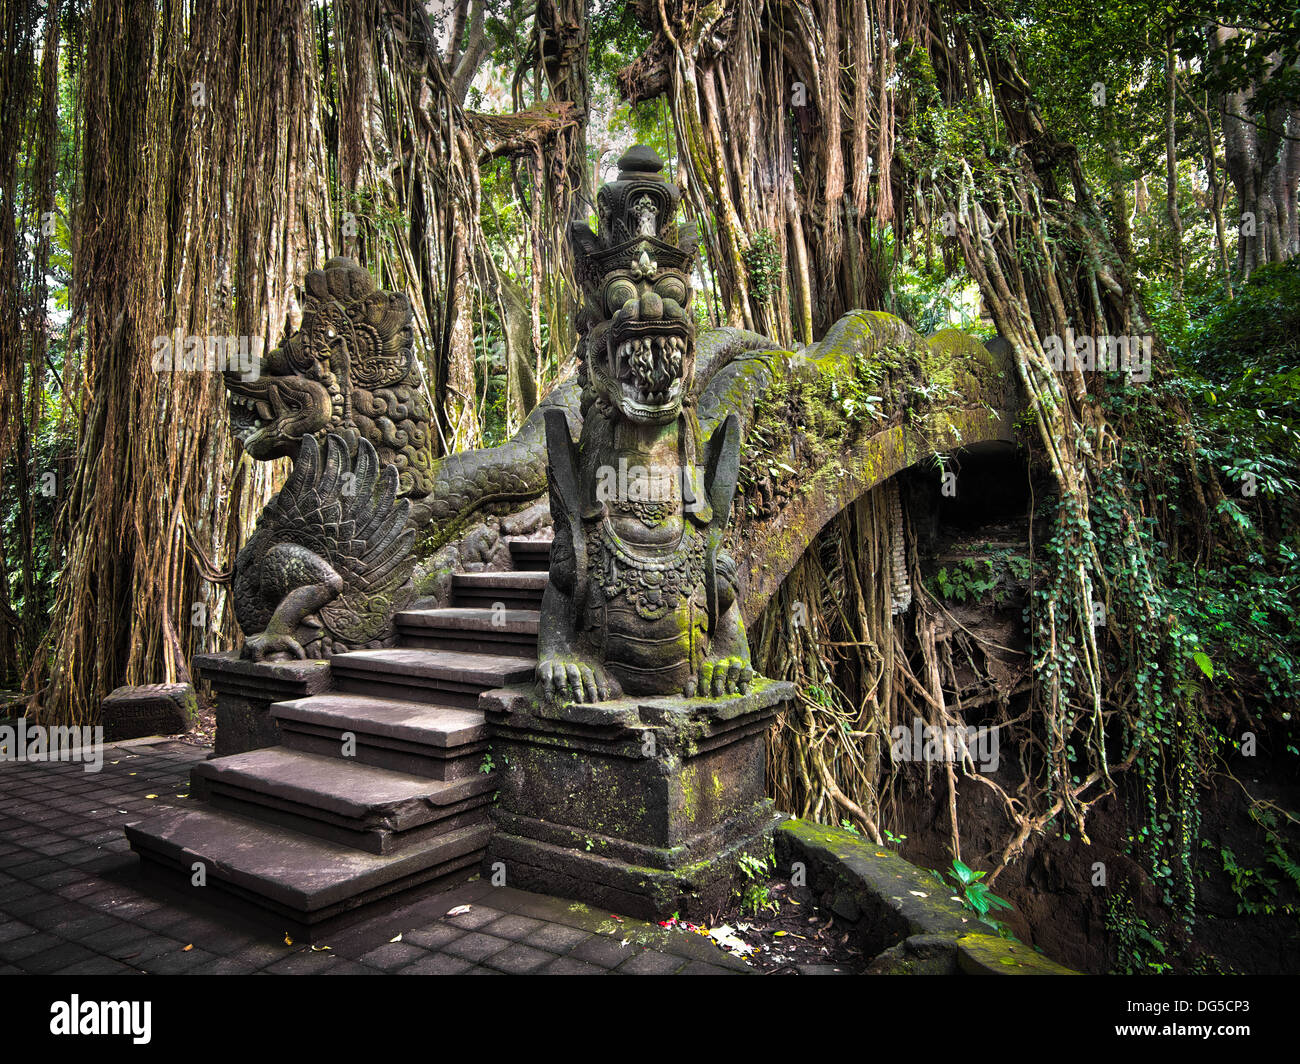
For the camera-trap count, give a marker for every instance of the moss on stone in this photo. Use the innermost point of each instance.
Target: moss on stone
(885, 887)
(982, 954)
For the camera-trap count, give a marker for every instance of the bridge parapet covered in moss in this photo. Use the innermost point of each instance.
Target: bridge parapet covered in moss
(821, 427)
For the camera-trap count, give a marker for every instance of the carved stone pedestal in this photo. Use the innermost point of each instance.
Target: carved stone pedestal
(639, 805)
(246, 690)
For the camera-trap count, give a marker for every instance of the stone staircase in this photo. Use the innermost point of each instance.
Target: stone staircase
(377, 785)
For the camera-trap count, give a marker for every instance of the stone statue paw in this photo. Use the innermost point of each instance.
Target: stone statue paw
(723, 676)
(576, 679)
(266, 646)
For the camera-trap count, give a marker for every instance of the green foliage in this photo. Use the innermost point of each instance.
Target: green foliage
(929, 298)
(51, 451)
(1264, 61)
(763, 264)
(490, 369)
(1245, 613)
(1239, 364)
(975, 895)
(617, 37)
(755, 895)
(971, 579)
(1195, 622)
(1139, 948)
(1242, 363)
(988, 576)
(1168, 733)
(1257, 891)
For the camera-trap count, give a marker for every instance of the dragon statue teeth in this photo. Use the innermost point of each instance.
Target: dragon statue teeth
(641, 600)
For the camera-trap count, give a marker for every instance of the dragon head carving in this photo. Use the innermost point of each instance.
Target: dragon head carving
(350, 370)
(637, 346)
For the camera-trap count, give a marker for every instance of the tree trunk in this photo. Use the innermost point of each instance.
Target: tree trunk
(1171, 169)
(1262, 155)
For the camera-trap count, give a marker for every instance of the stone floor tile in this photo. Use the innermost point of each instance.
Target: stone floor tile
(518, 959)
(98, 966)
(306, 962)
(112, 936)
(700, 968)
(476, 946)
(15, 950)
(48, 961)
(437, 964)
(434, 937)
(557, 938)
(514, 927)
(603, 950)
(12, 929)
(139, 951)
(393, 955)
(477, 917)
(571, 966)
(179, 961)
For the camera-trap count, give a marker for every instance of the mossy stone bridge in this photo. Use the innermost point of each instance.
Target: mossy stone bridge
(345, 781)
(822, 426)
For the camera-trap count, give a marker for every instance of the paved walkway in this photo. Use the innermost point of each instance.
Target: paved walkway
(72, 900)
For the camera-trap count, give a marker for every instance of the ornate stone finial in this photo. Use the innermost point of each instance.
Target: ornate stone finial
(640, 159)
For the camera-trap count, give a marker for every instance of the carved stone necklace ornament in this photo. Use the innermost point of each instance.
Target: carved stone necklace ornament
(654, 584)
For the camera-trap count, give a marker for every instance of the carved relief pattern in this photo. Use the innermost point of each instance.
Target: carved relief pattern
(653, 584)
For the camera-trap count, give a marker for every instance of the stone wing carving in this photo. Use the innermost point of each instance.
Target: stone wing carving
(330, 561)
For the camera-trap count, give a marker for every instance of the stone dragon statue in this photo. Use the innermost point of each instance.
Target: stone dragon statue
(642, 596)
(330, 559)
(304, 585)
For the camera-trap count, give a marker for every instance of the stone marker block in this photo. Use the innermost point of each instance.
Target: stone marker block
(147, 709)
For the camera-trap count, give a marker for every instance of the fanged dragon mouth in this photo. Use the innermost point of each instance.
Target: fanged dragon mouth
(249, 417)
(648, 369)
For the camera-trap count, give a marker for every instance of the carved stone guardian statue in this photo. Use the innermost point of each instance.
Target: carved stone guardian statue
(633, 770)
(641, 600)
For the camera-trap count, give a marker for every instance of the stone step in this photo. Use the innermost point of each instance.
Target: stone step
(520, 590)
(359, 805)
(418, 738)
(531, 554)
(446, 678)
(304, 883)
(510, 632)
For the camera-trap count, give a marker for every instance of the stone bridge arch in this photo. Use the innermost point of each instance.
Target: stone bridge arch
(886, 398)
(974, 405)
